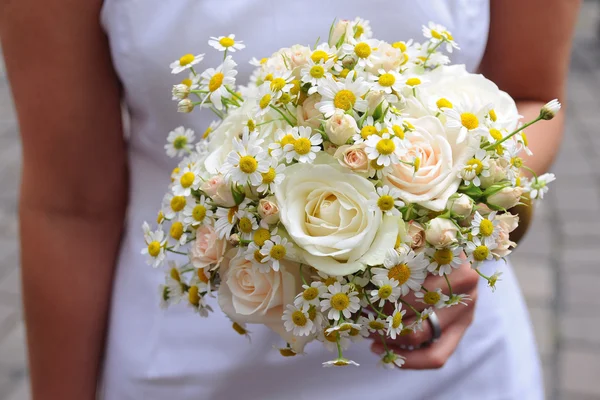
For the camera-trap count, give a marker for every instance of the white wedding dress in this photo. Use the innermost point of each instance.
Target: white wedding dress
(154, 354)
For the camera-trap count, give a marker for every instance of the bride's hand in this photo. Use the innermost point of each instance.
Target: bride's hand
(453, 320)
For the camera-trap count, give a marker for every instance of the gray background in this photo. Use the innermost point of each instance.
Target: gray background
(557, 263)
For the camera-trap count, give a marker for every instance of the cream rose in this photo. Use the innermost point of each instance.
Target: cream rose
(386, 57)
(307, 114)
(497, 169)
(440, 161)
(416, 234)
(325, 211)
(219, 191)
(508, 223)
(460, 205)
(353, 157)
(506, 198)
(338, 31)
(249, 296)
(208, 249)
(441, 232)
(268, 210)
(340, 127)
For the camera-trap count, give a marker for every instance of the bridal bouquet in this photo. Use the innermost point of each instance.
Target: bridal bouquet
(335, 182)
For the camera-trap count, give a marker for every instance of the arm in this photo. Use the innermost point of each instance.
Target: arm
(74, 186)
(527, 55)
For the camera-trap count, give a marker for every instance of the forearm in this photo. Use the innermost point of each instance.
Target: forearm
(67, 268)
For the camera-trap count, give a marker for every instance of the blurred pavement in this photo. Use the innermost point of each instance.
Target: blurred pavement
(557, 263)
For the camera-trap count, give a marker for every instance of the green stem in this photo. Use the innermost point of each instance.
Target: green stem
(411, 307)
(237, 96)
(504, 139)
(532, 172)
(176, 252)
(384, 343)
(282, 114)
(382, 315)
(339, 346)
(487, 278)
(430, 52)
(449, 285)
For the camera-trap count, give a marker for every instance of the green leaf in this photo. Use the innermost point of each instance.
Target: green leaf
(238, 196)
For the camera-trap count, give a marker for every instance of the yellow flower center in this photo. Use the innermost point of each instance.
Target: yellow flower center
(443, 103)
(160, 217)
(481, 253)
(312, 313)
(287, 139)
(268, 77)
(258, 256)
(516, 162)
(448, 35)
(469, 120)
(239, 329)
(194, 296)
(248, 164)
(344, 73)
(226, 42)
(296, 88)
(330, 337)
(340, 301)
(496, 134)
(285, 98)
(486, 227)
(435, 34)
(187, 82)
(385, 146)
(385, 202)
(187, 179)
(399, 272)
(377, 325)
(367, 131)
(261, 236)
(176, 230)
(387, 80)
(251, 125)
(174, 273)
(385, 291)
(329, 281)
(269, 176)
(265, 101)
(443, 256)
(202, 276)
(277, 84)
(186, 59)
(180, 142)
(154, 248)
(431, 298)
(362, 50)
(216, 81)
(413, 82)
(475, 165)
(396, 320)
(298, 318)
(319, 55)
(199, 212)
(245, 225)
(400, 46)
(398, 131)
(231, 214)
(207, 132)
(375, 166)
(344, 100)
(278, 252)
(177, 203)
(317, 72)
(287, 352)
(358, 30)
(310, 294)
(302, 146)
(493, 115)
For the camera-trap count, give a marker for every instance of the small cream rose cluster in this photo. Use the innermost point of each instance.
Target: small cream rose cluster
(335, 182)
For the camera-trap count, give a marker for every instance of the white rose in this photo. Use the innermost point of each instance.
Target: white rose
(460, 205)
(441, 232)
(497, 169)
(386, 57)
(268, 210)
(338, 31)
(299, 55)
(340, 127)
(440, 161)
(207, 249)
(249, 296)
(219, 191)
(417, 236)
(508, 223)
(325, 210)
(353, 157)
(506, 198)
(307, 114)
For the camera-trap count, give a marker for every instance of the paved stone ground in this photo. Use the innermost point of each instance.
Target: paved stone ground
(557, 263)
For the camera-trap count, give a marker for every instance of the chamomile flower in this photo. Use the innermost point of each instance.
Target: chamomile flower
(417, 324)
(443, 260)
(438, 34)
(155, 245)
(177, 231)
(246, 162)
(476, 167)
(387, 81)
(173, 284)
(283, 137)
(339, 299)
(310, 296)
(297, 321)
(340, 362)
(539, 187)
(343, 95)
(197, 213)
(493, 279)
(247, 224)
(359, 29)
(373, 324)
(387, 290)
(408, 269)
(226, 43)
(186, 61)
(275, 250)
(186, 180)
(458, 299)
(197, 301)
(172, 205)
(257, 259)
(479, 251)
(274, 176)
(390, 360)
(180, 91)
(323, 53)
(467, 118)
(330, 339)
(344, 327)
(486, 227)
(411, 82)
(433, 298)
(216, 81)
(361, 50)
(394, 321)
(265, 98)
(369, 128)
(315, 73)
(305, 146)
(227, 218)
(386, 149)
(179, 142)
(281, 83)
(387, 200)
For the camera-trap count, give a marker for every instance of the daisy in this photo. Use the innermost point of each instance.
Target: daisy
(178, 232)
(310, 296)
(458, 299)
(417, 324)
(387, 200)
(386, 149)
(180, 91)
(438, 34)
(179, 141)
(173, 284)
(186, 180)
(330, 340)
(185, 106)
(344, 95)
(387, 81)
(476, 167)
(408, 269)
(487, 228)
(373, 324)
(329, 280)
(201, 279)
(411, 82)
(227, 218)
(443, 260)
(395, 321)
(246, 224)
(305, 147)
(281, 83)
(254, 255)
(297, 321)
(226, 43)
(378, 171)
(216, 80)
(344, 327)
(197, 301)
(274, 250)
(432, 298)
(323, 53)
(265, 99)
(388, 290)
(478, 251)
(359, 29)
(273, 176)
(368, 129)
(172, 205)
(315, 73)
(197, 213)
(467, 117)
(538, 187)
(390, 360)
(361, 51)
(339, 299)
(282, 138)
(340, 362)
(155, 245)
(246, 162)
(185, 62)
